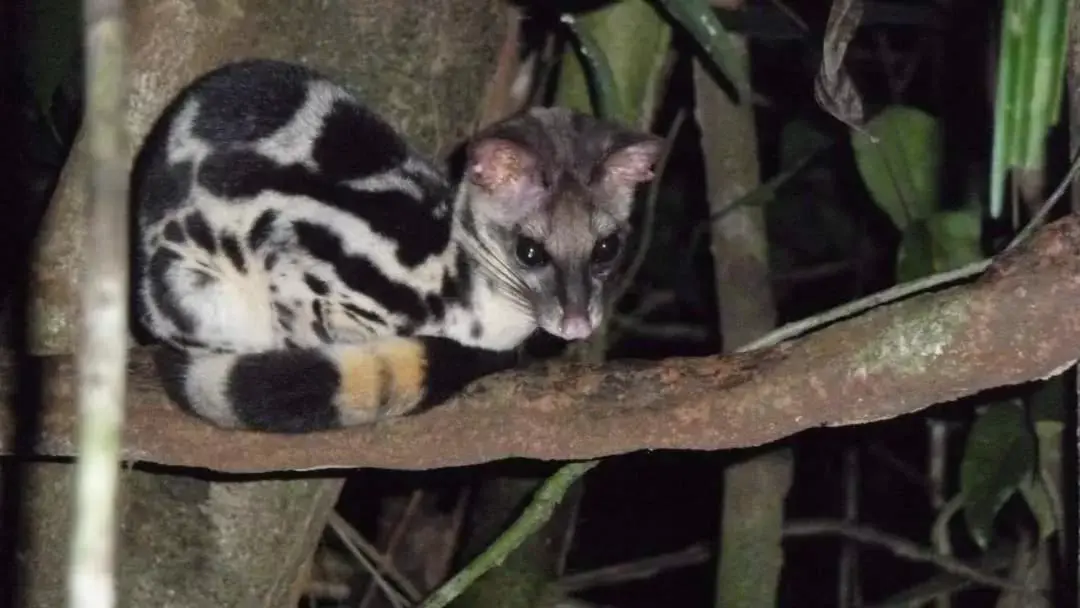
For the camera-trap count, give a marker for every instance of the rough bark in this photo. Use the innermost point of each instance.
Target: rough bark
(1017, 322)
(191, 542)
(184, 542)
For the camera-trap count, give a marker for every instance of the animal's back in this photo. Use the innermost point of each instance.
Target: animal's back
(267, 185)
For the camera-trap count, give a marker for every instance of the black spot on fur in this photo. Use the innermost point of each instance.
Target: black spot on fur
(161, 261)
(354, 143)
(159, 187)
(231, 246)
(249, 100)
(260, 230)
(457, 284)
(435, 306)
(285, 391)
(173, 232)
(360, 274)
(269, 262)
(316, 284)
(200, 232)
(285, 315)
(476, 330)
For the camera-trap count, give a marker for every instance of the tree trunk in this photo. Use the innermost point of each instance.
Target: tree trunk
(751, 555)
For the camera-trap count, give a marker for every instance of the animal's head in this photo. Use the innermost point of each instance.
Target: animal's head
(549, 198)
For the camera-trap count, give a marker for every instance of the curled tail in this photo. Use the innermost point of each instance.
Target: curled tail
(310, 389)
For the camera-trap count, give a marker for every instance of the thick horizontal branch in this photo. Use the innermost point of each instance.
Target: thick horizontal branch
(1019, 321)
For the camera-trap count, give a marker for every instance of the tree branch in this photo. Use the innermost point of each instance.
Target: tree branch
(1019, 321)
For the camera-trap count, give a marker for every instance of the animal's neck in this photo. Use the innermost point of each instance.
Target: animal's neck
(482, 314)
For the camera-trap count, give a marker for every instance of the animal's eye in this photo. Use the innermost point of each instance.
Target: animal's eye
(530, 253)
(606, 250)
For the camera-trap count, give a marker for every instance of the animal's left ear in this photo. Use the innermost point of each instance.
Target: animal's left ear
(632, 163)
(628, 164)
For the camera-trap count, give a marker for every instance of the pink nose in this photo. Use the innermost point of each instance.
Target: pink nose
(576, 328)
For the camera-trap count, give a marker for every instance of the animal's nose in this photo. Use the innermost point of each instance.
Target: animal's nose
(575, 327)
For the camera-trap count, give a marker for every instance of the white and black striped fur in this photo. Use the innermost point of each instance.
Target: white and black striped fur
(305, 269)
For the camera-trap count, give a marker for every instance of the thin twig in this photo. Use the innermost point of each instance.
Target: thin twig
(535, 515)
(373, 558)
(904, 290)
(101, 356)
(396, 598)
(905, 549)
(792, 15)
(395, 535)
(633, 570)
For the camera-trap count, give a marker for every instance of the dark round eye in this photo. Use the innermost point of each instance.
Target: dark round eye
(530, 253)
(606, 249)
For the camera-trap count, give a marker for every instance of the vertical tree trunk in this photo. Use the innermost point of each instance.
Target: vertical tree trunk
(752, 515)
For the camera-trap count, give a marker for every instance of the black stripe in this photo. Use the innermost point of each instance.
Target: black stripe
(364, 314)
(394, 214)
(316, 284)
(260, 230)
(358, 273)
(238, 173)
(161, 261)
(231, 246)
(319, 324)
(451, 366)
(436, 306)
(200, 232)
(158, 187)
(285, 391)
(386, 385)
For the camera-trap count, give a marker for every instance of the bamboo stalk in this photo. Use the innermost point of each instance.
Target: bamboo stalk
(101, 356)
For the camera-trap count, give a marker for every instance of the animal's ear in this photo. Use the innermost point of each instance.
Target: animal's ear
(632, 163)
(507, 178)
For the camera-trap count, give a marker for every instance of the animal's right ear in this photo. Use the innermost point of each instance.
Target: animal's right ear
(507, 178)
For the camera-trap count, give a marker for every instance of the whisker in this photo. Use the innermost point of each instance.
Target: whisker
(504, 279)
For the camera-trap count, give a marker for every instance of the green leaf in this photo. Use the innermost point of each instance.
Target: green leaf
(944, 241)
(998, 458)
(1047, 401)
(901, 168)
(1046, 413)
(624, 46)
(1031, 70)
(606, 102)
(54, 40)
(699, 20)
(1041, 506)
